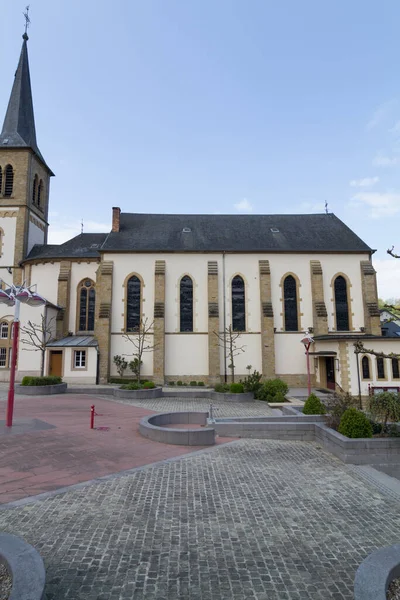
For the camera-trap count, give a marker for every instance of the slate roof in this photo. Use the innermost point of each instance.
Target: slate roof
(84, 245)
(233, 233)
(85, 341)
(390, 329)
(19, 124)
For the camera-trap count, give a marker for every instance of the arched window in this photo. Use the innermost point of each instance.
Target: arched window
(35, 189)
(4, 330)
(40, 194)
(87, 304)
(186, 304)
(290, 302)
(380, 367)
(133, 302)
(1, 180)
(238, 304)
(395, 368)
(9, 180)
(341, 304)
(365, 368)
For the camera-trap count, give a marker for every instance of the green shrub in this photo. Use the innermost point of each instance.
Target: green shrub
(120, 364)
(271, 388)
(121, 380)
(385, 407)
(313, 406)
(337, 405)
(133, 385)
(376, 427)
(36, 381)
(179, 382)
(148, 385)
(354, 424)
(252, 382)
(200, 383)
(277, 398)
(221, 388)
(193, 383)
(236, 388)
(171, 383)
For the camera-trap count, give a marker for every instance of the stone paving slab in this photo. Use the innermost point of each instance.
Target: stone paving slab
(260, 519)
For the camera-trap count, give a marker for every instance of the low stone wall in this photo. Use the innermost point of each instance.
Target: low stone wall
(26, 567)
(41, 390)
(154, 428)
(376, 572)
(228, 397)
(138, 394)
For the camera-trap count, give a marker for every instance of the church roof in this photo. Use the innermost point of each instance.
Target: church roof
(233, 233)
(84, 245)
(19, 124)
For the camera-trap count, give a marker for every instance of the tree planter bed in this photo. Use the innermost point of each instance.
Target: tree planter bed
(376, 572)
(228, 397)
(41, 390)
(158, 428)
(26, 567)
(138, 394)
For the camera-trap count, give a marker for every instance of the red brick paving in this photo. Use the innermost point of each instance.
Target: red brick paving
(36, 462)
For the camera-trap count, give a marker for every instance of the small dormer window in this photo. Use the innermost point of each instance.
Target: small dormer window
(186, 230)
(274, 230)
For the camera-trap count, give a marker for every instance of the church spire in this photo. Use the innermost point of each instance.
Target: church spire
(19, 123)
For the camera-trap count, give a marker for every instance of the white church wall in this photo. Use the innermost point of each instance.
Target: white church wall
(84, 375)
(186, 355)
(8, 226)
(45, 276)
(290, 357)
(35, 236)
(386, 347)
(121, 346)
(29, 360)
(79, 271)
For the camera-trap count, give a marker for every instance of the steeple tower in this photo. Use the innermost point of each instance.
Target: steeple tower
(24, 174)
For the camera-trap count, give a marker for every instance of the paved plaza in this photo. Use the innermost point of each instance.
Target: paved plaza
(260, 519)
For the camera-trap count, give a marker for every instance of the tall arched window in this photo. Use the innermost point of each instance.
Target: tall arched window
(290, 302)
(34, 189)
(9, 180)
(1, 180)
(341, 304)
(395, 368)
(133, 301)
(4, 330)
(238, 304)
(87, 305)
(186, 304)
(380, 367)
(365, 368)
(40, 194)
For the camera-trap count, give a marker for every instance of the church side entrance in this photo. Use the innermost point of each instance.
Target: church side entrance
(330, 372)
(56, 363)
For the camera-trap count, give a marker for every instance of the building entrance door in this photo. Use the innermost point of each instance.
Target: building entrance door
(330, 372)
(56, 363)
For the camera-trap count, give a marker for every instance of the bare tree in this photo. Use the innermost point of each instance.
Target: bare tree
(228, 341)
(141, 343)
(359, 349)
(38, 336)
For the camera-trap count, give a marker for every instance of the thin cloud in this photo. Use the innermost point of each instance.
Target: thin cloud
(395, 129)
(381, 160)
(365, 182)
(388, 276)
(244, 206)
(380, 114)
(378, 204)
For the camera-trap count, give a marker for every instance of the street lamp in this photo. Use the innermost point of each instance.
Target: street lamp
(13, 295)
(307, 340)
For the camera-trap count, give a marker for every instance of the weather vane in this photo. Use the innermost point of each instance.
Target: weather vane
(326, 207)
(27, 19)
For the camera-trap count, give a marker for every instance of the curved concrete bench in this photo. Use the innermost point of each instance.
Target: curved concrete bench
(154, 428)
(376, 572)
(138, 394)
(26, 567)
(41, 390)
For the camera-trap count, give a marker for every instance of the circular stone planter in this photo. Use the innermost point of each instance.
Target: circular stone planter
(376, 572)
(26, 567)
(155, 428)
(246, 397)
(138, 394)
(41, 390)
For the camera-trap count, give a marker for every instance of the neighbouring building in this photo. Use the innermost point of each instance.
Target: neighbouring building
(269, 277)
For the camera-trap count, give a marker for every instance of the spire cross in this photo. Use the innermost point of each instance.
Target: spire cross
(326, 207)
(27, 19)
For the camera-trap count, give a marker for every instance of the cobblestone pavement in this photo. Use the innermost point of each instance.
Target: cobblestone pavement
(259, 519)
(220, 408)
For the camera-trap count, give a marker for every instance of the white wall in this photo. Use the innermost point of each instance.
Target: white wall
(186, 354)
(76, 376)
(8, 225)
(290, 355)
(121, 346)
(45, 276)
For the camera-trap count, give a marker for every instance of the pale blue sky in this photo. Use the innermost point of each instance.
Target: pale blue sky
(216, 106)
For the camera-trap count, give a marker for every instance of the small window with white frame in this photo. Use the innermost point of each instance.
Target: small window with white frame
(4, 330)
(80, 359)
(3, 358)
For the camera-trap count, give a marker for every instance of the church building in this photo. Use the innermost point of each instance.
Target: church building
(269, 278)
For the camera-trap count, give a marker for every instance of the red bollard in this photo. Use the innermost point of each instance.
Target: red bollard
(92, 417)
